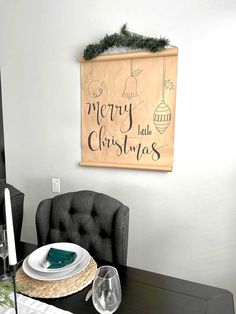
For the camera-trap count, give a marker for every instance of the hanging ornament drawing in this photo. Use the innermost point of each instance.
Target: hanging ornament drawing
(162, 114)
(131, 89)
(95, 87)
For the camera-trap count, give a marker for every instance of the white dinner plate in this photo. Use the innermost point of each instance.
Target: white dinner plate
(36, 258)
(56, 276)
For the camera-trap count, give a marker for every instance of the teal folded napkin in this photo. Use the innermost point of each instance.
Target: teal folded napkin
(60, 258)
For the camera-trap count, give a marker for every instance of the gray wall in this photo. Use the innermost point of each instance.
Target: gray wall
(182, 223)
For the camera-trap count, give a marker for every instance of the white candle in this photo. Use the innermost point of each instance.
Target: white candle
(10, 230)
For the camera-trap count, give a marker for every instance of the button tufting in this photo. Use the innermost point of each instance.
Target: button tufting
(71, 211)
(81, 230)
(103, 234)
(92, 250)
(62, 227)
(93, 213)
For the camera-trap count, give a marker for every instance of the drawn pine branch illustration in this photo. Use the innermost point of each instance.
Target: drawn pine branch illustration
(137, 72)
(169, 84)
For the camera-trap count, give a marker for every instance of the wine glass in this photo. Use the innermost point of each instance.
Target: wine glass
(106, 290)
(3, 251)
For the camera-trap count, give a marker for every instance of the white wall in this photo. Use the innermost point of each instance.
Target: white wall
(181, 223)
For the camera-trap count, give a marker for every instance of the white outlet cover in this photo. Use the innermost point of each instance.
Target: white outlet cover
(56, 185)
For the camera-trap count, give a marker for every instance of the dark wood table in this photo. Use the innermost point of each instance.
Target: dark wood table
(145, 292)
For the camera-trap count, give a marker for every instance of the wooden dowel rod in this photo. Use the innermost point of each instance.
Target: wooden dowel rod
(134, 55)
(113, 165)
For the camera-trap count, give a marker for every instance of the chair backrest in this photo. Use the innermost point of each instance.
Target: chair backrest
(95, 221)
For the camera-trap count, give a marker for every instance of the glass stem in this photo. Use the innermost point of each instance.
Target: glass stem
(4, 266)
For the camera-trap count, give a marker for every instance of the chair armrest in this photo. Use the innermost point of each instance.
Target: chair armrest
(121, 233)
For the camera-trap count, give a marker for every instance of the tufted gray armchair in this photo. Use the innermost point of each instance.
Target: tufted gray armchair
(95, 221)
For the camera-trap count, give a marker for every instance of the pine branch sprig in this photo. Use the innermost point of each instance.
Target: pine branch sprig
(6, 287)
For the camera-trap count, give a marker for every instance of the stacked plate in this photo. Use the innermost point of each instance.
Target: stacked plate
(33, 264)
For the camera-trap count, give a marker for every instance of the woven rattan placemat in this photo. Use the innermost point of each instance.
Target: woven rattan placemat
(59, 288)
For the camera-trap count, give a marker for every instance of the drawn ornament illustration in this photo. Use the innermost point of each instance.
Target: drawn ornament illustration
(95, 87)
(130, 89)
(162, 114)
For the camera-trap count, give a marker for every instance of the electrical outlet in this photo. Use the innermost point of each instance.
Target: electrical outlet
(56, 186)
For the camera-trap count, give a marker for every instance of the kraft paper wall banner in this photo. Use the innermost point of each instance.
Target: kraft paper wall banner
(128, 110)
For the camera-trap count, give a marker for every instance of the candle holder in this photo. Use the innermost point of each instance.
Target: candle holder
(13, 269)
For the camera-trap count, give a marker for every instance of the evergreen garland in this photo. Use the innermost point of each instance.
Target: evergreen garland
(125, 39)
